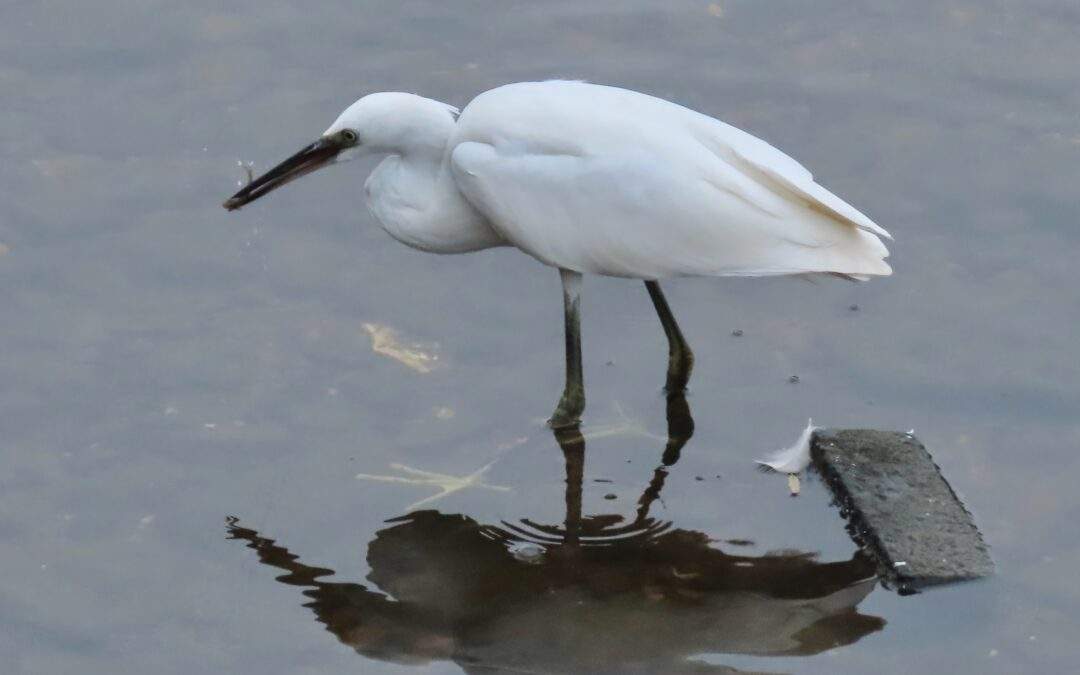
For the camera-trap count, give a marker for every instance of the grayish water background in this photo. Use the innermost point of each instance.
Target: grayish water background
(165, 364)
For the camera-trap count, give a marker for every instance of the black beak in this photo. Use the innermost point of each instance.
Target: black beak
(314, 156)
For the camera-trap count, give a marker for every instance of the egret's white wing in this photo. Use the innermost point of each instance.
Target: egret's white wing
(604, 180)
(782, 173)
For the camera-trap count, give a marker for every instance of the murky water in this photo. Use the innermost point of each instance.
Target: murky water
(167, 365)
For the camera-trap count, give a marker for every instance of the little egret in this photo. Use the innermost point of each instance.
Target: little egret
(591, 179)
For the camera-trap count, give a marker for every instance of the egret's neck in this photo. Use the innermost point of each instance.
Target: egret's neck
(413, 195)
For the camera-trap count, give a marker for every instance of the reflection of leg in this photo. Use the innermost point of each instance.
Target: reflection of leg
(573, 446)
(680, 429)
(572, 404)
(680, 357)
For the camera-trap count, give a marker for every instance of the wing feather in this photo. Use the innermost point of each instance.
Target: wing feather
(604, 180)
(779, 172)
(816, 197)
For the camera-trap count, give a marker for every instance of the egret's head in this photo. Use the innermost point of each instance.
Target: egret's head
(383, 123)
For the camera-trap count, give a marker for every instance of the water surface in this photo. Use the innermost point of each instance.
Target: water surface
(167, 365)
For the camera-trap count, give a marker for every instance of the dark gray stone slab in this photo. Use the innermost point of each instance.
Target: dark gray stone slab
(899, 508)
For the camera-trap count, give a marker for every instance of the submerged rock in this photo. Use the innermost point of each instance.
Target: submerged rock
(900, 508)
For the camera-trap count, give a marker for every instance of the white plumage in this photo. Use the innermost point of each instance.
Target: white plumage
(608, 181)
(796, 456)
(592, 179)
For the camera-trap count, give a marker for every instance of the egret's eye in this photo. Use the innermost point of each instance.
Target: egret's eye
(349, 136)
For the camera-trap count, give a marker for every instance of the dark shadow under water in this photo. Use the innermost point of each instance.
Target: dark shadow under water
(596, 593)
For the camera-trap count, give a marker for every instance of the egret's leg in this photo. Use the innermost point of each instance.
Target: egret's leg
(572, 404)
(680, 358)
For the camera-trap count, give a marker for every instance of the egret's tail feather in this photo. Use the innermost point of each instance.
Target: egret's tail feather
(850, 277)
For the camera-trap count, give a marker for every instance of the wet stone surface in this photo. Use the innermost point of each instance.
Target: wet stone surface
(900, 508)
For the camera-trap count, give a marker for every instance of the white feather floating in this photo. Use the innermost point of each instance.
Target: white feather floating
(794, 458)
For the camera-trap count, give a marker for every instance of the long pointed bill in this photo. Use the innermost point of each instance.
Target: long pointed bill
(318, 154)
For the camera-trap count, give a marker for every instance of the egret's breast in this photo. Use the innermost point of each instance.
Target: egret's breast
(420, 206)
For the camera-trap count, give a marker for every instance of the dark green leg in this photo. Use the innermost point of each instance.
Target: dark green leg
(572, 404)
(680, 358)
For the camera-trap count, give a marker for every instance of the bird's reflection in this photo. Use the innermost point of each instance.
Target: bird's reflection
(596, 593)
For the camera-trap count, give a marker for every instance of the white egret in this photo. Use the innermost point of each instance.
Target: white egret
(591, 179)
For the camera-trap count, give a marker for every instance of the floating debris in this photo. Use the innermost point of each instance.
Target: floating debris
(509, 445)
(527, 552)
(249, 172)
(611, 495)
(794, 458)
(446, 483)
(794, 487)
(737, 332)
(624, 427)
(853, 308)
(384, 341)
(794, 379)
(444, 413)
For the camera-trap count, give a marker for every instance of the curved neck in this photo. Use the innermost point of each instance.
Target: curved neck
(414, 197)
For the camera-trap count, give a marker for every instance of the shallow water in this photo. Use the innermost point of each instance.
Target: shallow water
(167, 365)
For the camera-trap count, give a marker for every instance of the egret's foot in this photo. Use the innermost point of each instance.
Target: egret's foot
(568, 411)
(680, 365)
